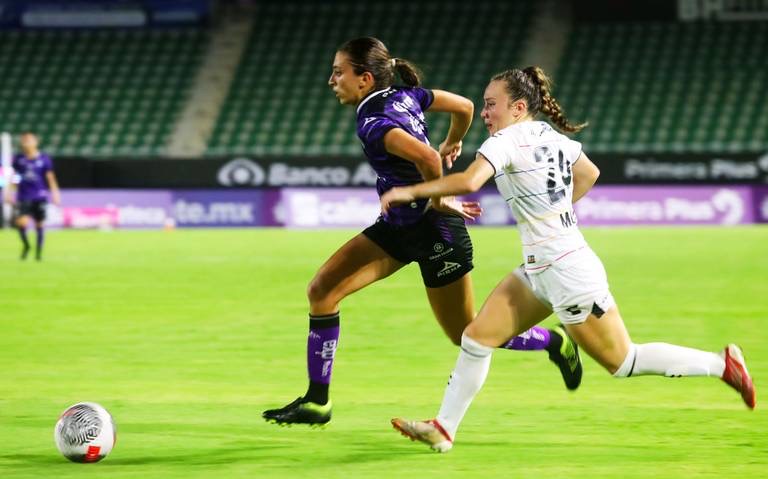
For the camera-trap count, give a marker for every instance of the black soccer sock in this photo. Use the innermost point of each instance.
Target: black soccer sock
(317, 392)
(23, 236)
(40, 241)
(24, 241)
(555, 342)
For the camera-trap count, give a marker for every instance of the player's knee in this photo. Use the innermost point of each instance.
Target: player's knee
(315, 290)
(621, 366)
(320, 292)
(471, 331)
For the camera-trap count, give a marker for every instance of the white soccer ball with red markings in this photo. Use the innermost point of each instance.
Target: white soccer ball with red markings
(85, 432)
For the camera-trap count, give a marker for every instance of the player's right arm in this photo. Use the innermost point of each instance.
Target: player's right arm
(461, 110)
(400, 143)
(468, 181)
(585, 175)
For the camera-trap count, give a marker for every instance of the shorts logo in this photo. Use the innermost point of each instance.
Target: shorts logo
(448, 268)
(441, 251)
(574, 310)
(531, 259)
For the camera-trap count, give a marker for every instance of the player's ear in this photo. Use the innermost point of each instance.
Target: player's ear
(519, 106)
(366, 79)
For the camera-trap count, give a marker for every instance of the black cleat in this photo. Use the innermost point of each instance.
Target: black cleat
(24, 252)
(300, 411)
(567, 359)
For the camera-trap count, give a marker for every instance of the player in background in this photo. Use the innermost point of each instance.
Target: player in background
(541, 173)
(392, 128)
(33, 180)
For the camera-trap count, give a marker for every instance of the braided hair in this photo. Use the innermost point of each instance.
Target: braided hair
(534, 86)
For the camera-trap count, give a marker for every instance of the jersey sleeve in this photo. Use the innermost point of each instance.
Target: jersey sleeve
(492, 150)
(48, 166)
(424, 96)
(375, 127)
(572, 149)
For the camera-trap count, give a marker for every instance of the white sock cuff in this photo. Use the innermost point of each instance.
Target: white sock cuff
(473, 348)
(625, 370)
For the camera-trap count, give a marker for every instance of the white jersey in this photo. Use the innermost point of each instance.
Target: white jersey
(533, 174)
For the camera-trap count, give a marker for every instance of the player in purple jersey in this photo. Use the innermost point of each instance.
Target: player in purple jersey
(33, 181)
(392, 128)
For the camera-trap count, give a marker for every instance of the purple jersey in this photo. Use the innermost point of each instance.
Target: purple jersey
(30, 177)
(379, 112)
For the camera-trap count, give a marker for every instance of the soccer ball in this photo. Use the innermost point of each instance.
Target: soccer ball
(85, 432)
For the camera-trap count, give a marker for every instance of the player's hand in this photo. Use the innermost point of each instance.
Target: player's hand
(469, 210)
(395, 196)
(56, 198)
(449, 152)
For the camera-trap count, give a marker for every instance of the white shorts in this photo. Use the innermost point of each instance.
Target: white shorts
(574, 286)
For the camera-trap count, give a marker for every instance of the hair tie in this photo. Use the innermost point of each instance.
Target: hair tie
(394, 62)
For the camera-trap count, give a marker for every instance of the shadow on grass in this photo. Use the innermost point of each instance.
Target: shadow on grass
(225, 455)
(305, 449)
(34, 459)
(229, 455)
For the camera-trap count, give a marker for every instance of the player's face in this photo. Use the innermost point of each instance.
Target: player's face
(28, 142)
(349, 87)
(495, 100)
(498, 110)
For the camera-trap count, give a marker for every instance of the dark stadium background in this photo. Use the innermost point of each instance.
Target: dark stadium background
(216, 96)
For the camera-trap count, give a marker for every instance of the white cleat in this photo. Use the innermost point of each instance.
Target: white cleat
(737, 376)
(429, 432)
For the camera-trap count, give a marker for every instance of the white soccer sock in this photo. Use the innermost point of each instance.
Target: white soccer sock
(670, 360)
(466, 380)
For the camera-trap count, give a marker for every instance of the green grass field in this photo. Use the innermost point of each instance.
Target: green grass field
(186, 336)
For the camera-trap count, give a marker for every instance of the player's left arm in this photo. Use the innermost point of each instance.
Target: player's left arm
(468, 181)
(585, 175)
(54, 187)
(10, 193)
(402, 144)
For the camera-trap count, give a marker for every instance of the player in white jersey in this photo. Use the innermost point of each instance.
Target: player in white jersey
(533, 171)
(541, 173)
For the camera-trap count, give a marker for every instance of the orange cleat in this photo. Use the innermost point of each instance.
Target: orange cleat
(736, 374)
(429, 432)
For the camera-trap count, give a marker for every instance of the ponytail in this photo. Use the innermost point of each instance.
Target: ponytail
(369, 54)
(547, 104)
(409, 73)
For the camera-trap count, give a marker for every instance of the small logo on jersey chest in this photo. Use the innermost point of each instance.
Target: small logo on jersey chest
(403, 106)
(531, 259)
(438, 247)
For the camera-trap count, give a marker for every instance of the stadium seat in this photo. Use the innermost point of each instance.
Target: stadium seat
(280, 103)
(97, 92)
(667, 87)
